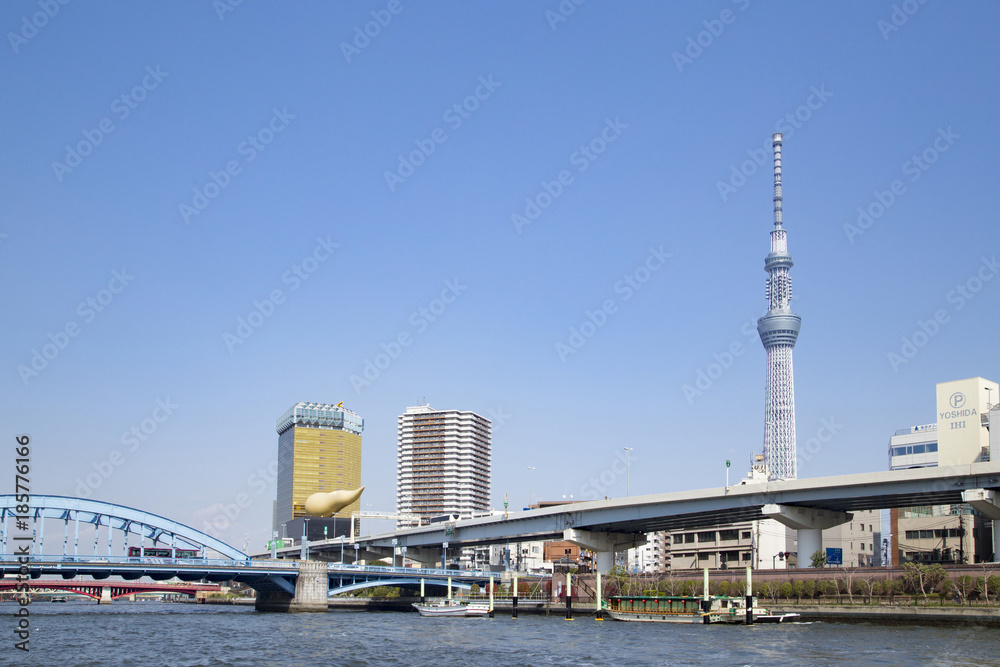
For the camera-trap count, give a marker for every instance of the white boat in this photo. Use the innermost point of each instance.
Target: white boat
(787, 617)
(452, 607)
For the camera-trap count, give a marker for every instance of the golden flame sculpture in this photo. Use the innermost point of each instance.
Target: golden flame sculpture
(328, 504)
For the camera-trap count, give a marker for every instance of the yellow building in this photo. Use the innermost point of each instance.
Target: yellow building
(319, 449)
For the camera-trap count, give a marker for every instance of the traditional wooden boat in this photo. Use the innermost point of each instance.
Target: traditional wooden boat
(684, 609)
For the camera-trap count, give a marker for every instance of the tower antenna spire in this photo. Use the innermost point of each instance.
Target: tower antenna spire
(776, 143)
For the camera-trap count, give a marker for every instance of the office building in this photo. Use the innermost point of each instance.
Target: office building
(766, 545)
(443, 461)
(319, 449)
(966, 431)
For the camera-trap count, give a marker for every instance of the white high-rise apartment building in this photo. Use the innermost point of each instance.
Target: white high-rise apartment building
(650, 557)
(442, 463)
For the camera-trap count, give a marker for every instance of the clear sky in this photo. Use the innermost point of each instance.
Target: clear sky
(211, 212)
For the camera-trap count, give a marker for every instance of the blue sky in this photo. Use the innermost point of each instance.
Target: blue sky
(231, 162)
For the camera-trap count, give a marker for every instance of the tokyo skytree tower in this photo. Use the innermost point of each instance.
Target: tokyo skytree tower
(778, 330)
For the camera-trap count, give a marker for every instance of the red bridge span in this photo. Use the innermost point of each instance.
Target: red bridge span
(105, 591)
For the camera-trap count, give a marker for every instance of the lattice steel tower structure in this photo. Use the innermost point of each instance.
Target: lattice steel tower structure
(778, 330)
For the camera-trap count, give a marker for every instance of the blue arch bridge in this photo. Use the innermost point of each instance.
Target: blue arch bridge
(128, 544)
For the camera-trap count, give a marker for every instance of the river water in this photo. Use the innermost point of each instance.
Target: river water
(78, 634)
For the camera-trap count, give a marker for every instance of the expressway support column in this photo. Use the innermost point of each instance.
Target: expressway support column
(996, 541)
(605, 544)
(985, 501)
(809, 524)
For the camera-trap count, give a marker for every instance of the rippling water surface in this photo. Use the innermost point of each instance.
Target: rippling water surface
(85, 634)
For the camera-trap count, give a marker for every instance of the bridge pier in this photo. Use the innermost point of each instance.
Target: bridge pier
(604, 544)
(105, 595)
(809, 524)
(984, 501)
(311, 588)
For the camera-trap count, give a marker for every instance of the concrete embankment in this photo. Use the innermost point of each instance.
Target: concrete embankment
(897, 615)
(879, 615)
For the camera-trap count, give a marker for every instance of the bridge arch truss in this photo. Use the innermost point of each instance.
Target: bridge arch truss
(159, 530)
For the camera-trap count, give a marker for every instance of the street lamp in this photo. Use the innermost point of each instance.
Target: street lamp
(531, 469)
(628, 467)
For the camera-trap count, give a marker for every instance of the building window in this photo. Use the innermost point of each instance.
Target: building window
(745, 535)
(708, 536)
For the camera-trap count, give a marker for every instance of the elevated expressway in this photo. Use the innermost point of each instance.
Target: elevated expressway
(807, 505)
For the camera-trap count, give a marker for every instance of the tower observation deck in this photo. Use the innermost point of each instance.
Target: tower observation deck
(779, 329)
